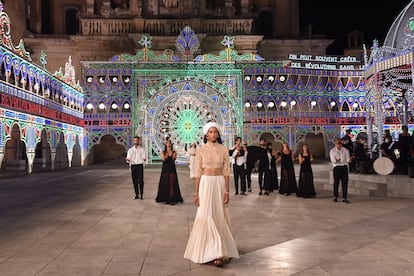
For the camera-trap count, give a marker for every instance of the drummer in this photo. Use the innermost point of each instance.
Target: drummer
(388, 149)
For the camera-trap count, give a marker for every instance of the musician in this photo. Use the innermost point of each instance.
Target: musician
(340, 160)
(387, 149)
(363, 162)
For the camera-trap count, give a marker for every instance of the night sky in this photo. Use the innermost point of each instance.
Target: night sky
(337, 18)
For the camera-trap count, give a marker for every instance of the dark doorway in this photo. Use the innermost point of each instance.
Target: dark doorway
(71, 21)
(264, 24)
(107, 151)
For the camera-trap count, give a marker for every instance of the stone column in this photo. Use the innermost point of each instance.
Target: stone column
(35, 16)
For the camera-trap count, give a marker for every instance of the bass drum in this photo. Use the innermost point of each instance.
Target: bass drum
(383, 166)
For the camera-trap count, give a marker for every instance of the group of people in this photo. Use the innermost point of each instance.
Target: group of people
(211, 239)
(168, 187)
(400, 151)
(245, 159)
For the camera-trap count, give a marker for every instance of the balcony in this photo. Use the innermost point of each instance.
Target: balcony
(96, 26)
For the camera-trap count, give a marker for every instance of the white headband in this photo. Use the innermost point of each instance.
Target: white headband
(207, 126)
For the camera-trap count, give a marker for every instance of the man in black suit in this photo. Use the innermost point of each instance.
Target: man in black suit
(263, 167)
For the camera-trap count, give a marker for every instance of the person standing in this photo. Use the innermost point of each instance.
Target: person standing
(210, 238)
(250, 160)
(287, 171)
(191, 165)
(239, 169)
(264, 169)
(136, 156)
(273, 170)
(236, 152)
(404, 144)
(168, 188)
(349, 144)
(306, 189)
(340, 159)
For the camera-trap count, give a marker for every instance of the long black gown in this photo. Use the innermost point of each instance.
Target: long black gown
(168, 188)
(287, 175)
(306, 188)
(274, 185)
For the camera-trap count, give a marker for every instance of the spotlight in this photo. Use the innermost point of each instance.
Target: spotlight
(283, 104)
(259, 105)
(293, 102)
(127, 79)
(259, 79)
(114, 106)
(271, 78)
(89, 79)
(101, 79)
(89, 106)
(271, 104)
(313, 103)
(114, 79)
(101, 106)
(333, 103)
(126, 105)
(282, 78)
(247, 78)
(247, 104)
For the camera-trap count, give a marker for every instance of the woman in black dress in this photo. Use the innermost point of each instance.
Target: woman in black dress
(306, 188)
(287, 172)
(168, 188)
(274, 185)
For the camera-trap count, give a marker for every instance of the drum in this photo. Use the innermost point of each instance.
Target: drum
(383, 165)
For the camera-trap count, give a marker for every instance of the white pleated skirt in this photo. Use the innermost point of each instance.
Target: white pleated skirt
(211, 237)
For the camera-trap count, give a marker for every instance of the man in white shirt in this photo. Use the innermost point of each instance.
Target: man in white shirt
(239, 160)
(136, 156)
(340, 159)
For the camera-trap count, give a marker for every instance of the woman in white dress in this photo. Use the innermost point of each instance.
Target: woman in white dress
(191, 165)
(211, 238)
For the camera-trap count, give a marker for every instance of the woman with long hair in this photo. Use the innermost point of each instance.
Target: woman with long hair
(287, 171)
(306, 188)
(168, 188)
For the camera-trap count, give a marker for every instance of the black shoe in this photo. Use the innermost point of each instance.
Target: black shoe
(250, 190)
(243, 193)
(346, 200)
(136, 197)
(142, 197)
(260, 193)
(236, 193)
(266, 193)
(335, 199)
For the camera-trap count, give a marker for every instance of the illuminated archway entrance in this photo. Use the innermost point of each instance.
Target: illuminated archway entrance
(179, 109)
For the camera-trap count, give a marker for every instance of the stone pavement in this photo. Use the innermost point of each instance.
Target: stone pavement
(83, 221)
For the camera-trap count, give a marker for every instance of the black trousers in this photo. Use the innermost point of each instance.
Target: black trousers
(340, 173)
(264, 178)
(137, 173)
(239, 172)
(248, 173)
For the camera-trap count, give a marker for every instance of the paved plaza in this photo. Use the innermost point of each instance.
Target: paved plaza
(83, 221)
